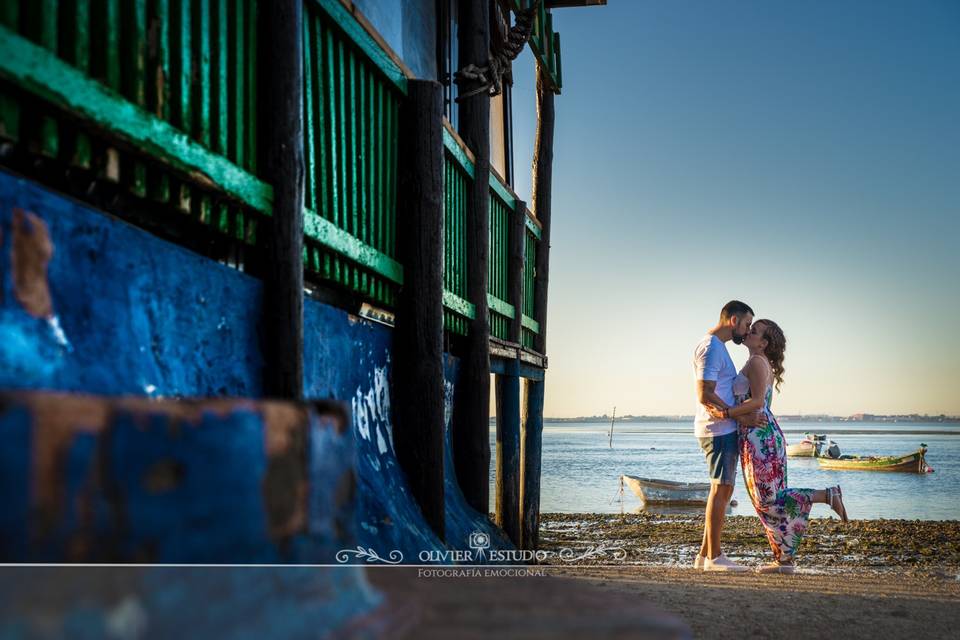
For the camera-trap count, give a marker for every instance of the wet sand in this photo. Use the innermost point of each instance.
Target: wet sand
(923, 547)
(863, 579)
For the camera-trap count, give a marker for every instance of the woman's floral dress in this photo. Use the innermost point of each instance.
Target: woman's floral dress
(784, 511)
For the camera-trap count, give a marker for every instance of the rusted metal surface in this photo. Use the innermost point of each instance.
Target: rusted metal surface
(173, 481)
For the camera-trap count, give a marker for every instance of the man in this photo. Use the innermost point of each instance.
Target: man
(715, 430)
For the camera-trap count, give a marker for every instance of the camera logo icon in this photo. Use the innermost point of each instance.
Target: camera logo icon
(479, 540)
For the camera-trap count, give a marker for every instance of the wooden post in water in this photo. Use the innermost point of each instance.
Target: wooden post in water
(508, 391)
(281, 98)
(533, 411)
(471, 418)
(532, 443)
(417, 375)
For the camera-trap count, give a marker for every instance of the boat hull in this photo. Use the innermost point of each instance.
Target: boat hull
(910, 463)
(805, 449)
(667, 492)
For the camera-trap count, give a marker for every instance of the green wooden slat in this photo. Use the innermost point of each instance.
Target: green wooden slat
(457, 152)
(502, 192)
(112, 43)
(321, 128)
(250, 125)
(500, 306)
(335, 238)
(529, 323)
(310, 194)
(181, 53)
(202, 85)
(221, 113)
(49, 129)
(459, 305)
(364, 42)
(238, 94)
(353, 186)
(533, 227)
(9, 108)
(40, 72)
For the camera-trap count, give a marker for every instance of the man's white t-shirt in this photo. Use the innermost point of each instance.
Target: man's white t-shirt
(711, 361)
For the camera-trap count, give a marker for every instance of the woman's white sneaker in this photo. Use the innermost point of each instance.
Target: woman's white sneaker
(722, 563)
(698, 563)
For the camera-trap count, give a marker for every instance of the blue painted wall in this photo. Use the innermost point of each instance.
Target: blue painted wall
(138, 315)
(410, 28)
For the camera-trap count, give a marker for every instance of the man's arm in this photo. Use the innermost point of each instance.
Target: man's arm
(707, 396)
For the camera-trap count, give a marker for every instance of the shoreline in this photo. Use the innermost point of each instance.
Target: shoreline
(920, 547)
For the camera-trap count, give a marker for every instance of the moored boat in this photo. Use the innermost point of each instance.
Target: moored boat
(653, 491)
(909, 463)
(814, 446)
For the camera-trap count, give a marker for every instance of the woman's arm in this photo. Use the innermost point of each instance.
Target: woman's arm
(757, 375)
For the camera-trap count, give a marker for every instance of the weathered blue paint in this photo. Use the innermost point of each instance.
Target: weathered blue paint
(348, 358)
(172, 482)
(138, 315)
(134, 314)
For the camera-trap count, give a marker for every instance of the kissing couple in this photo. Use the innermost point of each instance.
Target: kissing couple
(733, 421)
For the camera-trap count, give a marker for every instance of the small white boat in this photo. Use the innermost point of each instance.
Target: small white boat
(814, 446)
(653, 491)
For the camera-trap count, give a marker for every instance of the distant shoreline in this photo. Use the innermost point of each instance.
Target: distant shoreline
(871, 420)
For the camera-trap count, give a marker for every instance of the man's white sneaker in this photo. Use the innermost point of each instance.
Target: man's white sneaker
(722, 563)
(698, 563)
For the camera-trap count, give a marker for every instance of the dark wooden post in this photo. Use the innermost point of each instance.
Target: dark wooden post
(508, 452)
(281, 127)
(508, 392)
(530, 477)
(542, 189)
(417, 373)
(533, 411)
(471, 419)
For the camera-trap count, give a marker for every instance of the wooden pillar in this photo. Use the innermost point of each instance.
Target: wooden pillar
(281, 130)
(471, 419)
(417, 373)
(508, 392)
(542, 190)
(533, 411)
(530, 476)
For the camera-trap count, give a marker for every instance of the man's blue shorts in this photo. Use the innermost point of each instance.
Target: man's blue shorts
(722, 453)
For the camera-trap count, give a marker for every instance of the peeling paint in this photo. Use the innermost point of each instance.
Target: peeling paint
(30, 253)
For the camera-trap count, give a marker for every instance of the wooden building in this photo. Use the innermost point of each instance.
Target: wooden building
(315, 200)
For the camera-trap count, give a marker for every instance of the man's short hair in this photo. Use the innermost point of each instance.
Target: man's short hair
(735, 308)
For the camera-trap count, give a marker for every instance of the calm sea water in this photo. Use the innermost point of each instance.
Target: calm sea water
(581, 472)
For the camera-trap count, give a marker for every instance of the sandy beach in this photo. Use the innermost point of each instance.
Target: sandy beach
(870, 578)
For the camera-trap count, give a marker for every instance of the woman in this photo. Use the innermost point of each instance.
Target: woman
(784, 511)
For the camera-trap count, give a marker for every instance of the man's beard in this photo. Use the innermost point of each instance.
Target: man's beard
(738, 339)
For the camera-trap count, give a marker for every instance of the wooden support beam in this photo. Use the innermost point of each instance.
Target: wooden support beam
(417, 381)
(281, 101)
(507, 512)
(471, 419)
(542, 190)
(530, 469)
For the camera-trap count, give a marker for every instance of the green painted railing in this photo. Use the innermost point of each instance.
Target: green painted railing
(458, 310)
(529, 327)
(502, 210)
(352, 96)
(457, 180)
(157, 97)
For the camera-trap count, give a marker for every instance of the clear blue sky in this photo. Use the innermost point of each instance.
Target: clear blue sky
(801, 156)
